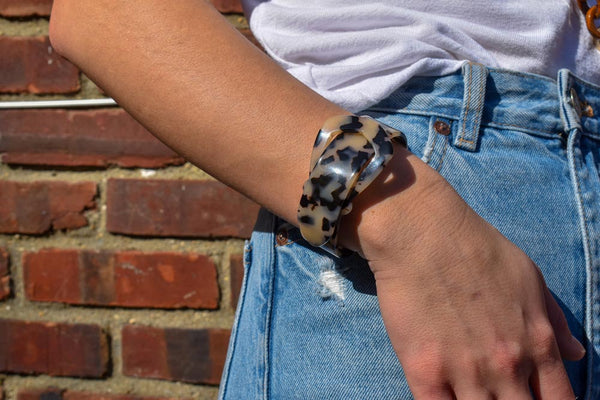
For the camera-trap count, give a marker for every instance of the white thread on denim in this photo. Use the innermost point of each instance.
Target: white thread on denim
(331, 284)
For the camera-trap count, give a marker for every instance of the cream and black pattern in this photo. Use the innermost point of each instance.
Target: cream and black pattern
(348, 154)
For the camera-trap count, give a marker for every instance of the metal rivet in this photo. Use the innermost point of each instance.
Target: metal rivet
(442, 128)
(282, 236)
(574, 100)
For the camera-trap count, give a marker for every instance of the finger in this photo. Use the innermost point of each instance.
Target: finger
(499, 387)
(433, 393)
(517, 389)
(472, 392)
(426, 374)
(515, 394)
(550, 382)
(570, 348)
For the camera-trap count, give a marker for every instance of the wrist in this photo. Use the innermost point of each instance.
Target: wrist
(390, 213)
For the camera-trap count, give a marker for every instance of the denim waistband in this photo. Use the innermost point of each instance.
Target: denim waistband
(478, 95)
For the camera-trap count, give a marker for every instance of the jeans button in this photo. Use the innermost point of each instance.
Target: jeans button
(282, 236)
(442, 128)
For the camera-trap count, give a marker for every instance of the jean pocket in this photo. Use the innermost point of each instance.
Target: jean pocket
(427, 135)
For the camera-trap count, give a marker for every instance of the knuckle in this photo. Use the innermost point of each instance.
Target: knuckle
(510, 358)
(544, 341)
(433, 393)
(426, 370)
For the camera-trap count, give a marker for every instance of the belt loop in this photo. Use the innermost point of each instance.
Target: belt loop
(570, 105)
(475, 78)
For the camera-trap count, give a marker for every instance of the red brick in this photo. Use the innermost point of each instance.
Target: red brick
(123, 279)
(25, 8)
(177, 209)
(50, 393)
(4, 275)
(166, 280)
(58, 394)
(88, 138)
(29, 64)
(51, 348)
(228, 6)
(52, 275)
(38, 207)
(236, 269)
(185, 355)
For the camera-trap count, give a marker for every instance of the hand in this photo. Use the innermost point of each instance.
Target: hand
(467, 312)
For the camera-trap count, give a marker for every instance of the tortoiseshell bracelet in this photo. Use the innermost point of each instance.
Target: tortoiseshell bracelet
(348, 154)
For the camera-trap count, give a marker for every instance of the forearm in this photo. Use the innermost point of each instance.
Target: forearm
(202, 88)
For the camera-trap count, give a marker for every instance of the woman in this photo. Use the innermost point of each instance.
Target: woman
(461, 310)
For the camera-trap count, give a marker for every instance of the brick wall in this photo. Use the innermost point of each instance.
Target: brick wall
(120, 263)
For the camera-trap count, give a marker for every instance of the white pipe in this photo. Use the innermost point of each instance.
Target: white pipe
(105, 102)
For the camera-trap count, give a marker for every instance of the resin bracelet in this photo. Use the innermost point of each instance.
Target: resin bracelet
(348, 154)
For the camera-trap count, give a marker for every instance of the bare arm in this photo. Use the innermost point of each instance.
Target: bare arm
(202, 88)
(183, 72)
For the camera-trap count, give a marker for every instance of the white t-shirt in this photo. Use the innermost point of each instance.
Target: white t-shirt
(357, 52)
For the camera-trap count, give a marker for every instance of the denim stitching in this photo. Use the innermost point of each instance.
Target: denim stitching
(438, 169)
(479, 107)
(423, 113)
(523, 75)
(432, 147)
(460, 139)
(563, 103)
(268, 315)
(586, 249)
(428, 113)
(234, 331)
(435, 137)
(520, 128)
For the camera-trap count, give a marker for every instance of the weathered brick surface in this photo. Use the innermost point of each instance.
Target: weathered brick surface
(38, 207)
(29, 64)
(4, 275)
(25, 8)
(228, 6)
(62, 394)
(124, 279)
(187, 355)
(52, 348)
(57, 169)
(178, 208)
(236, 267)
(50, 393)
(89, 138)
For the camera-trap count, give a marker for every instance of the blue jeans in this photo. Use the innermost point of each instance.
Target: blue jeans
(522, 150)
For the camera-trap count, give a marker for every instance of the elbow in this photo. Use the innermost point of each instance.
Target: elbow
(58, 30)
(62, 30)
